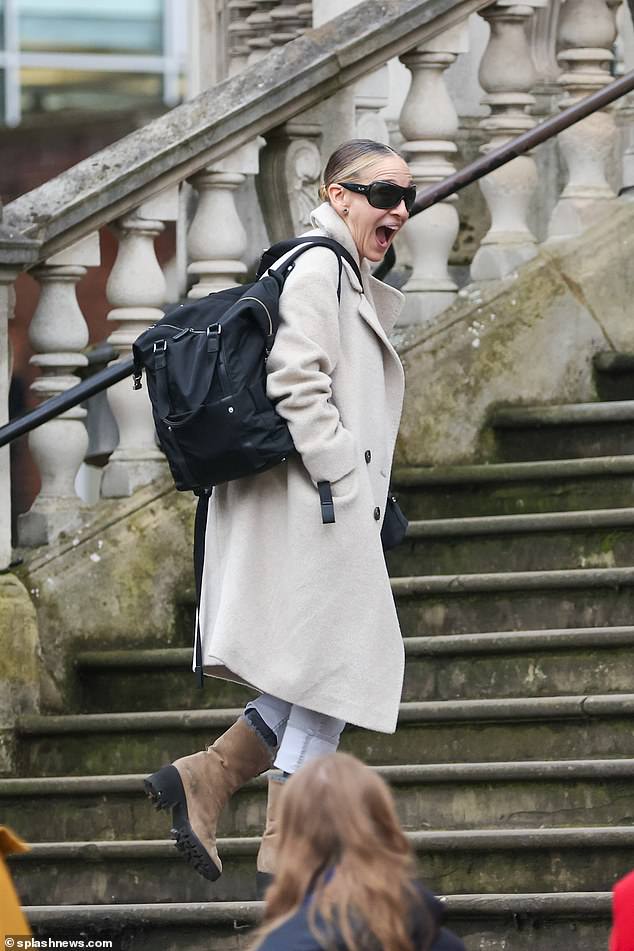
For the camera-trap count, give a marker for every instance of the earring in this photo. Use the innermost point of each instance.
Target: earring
(346, 210)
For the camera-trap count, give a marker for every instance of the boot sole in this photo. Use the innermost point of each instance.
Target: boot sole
(165, 789)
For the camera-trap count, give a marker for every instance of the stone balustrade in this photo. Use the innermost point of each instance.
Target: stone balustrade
(221, 154)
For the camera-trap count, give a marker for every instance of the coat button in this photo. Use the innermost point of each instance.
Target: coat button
(377, 514)
(368, 456)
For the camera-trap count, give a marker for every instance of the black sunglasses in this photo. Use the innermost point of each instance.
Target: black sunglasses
(384, 194)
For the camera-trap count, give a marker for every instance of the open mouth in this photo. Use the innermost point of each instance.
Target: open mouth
(384, 235)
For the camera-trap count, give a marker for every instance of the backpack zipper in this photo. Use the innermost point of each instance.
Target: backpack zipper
(183, 330)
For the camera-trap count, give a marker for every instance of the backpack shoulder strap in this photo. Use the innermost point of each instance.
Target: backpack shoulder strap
(301, 245)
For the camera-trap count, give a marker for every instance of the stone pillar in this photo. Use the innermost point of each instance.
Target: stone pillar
(209, 50)
(371, 96)
(261, 24)
(625, 107)
(239, 31)
(217, 240)
(507, 75)
(585, 37)
(429, 124)
(305, 14)
(288, 183)
(136, 289)
(58, 334)
(7, 295)
(286, 23)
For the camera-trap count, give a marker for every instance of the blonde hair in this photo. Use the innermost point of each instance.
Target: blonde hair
(350, 160)
(340, 839)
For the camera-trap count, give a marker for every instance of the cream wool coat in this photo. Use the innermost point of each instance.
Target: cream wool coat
(296, 608)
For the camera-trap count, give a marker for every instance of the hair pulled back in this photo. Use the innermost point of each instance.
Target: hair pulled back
(352, 159)
(340, 838)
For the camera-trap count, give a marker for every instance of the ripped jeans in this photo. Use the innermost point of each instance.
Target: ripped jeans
(301, 734)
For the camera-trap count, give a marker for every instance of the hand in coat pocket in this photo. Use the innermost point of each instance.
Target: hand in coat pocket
(347, 486)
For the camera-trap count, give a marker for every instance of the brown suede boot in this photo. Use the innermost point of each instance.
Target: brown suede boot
(267, 854)
(197, 788)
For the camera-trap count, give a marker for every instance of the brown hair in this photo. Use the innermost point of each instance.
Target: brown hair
(352, 159)
(340, 839)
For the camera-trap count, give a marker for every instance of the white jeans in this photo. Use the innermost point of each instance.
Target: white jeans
(301, 734)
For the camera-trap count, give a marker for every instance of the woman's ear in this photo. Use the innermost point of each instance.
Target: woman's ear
(337, 196)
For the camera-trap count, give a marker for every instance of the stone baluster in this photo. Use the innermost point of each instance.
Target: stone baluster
(261, 23)
(625, 107)
(305, 16)
(286, 23)
(585, 37)
(17, 253)
(239, 32)
(429, 124)
(371, 96)
(7, 295)
(136, 289)
(507, 75)
(58, 334)
(217, 240)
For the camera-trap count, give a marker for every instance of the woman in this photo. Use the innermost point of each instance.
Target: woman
(344, 879)
(298, 609)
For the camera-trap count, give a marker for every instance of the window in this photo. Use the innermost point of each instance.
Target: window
(106, 54)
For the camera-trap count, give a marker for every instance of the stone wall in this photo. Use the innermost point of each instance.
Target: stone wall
(528, 338)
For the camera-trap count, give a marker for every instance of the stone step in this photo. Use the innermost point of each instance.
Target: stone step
(472, 861)
(519, 664)
(448, 796)
(568, 921)
(594, 538)
(515, 600)
(157, 679)
(429, 732)
(515, 487)
(614, 375)
(440, 667)
(566, 431)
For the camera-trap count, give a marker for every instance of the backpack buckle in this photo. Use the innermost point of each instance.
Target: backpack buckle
(213, 338)
(160, 355)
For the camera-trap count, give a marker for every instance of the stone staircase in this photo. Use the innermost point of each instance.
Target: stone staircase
(514, 757)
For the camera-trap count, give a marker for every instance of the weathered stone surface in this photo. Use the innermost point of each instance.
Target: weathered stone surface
(120, 577)
(530, 922)
(441, 604)
(457, 796)
(435, 732)
(515, 488)
(19, 663)
(496, 343)
(454, 862)
(521, 550)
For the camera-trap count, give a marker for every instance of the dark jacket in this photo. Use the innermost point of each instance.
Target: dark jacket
(295, 934)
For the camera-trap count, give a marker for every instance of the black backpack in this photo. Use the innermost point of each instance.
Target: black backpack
(205, 366)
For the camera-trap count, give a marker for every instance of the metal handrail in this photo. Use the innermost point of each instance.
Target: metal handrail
(429, 196)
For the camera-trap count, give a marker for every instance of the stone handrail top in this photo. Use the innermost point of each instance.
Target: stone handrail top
(209, 127)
